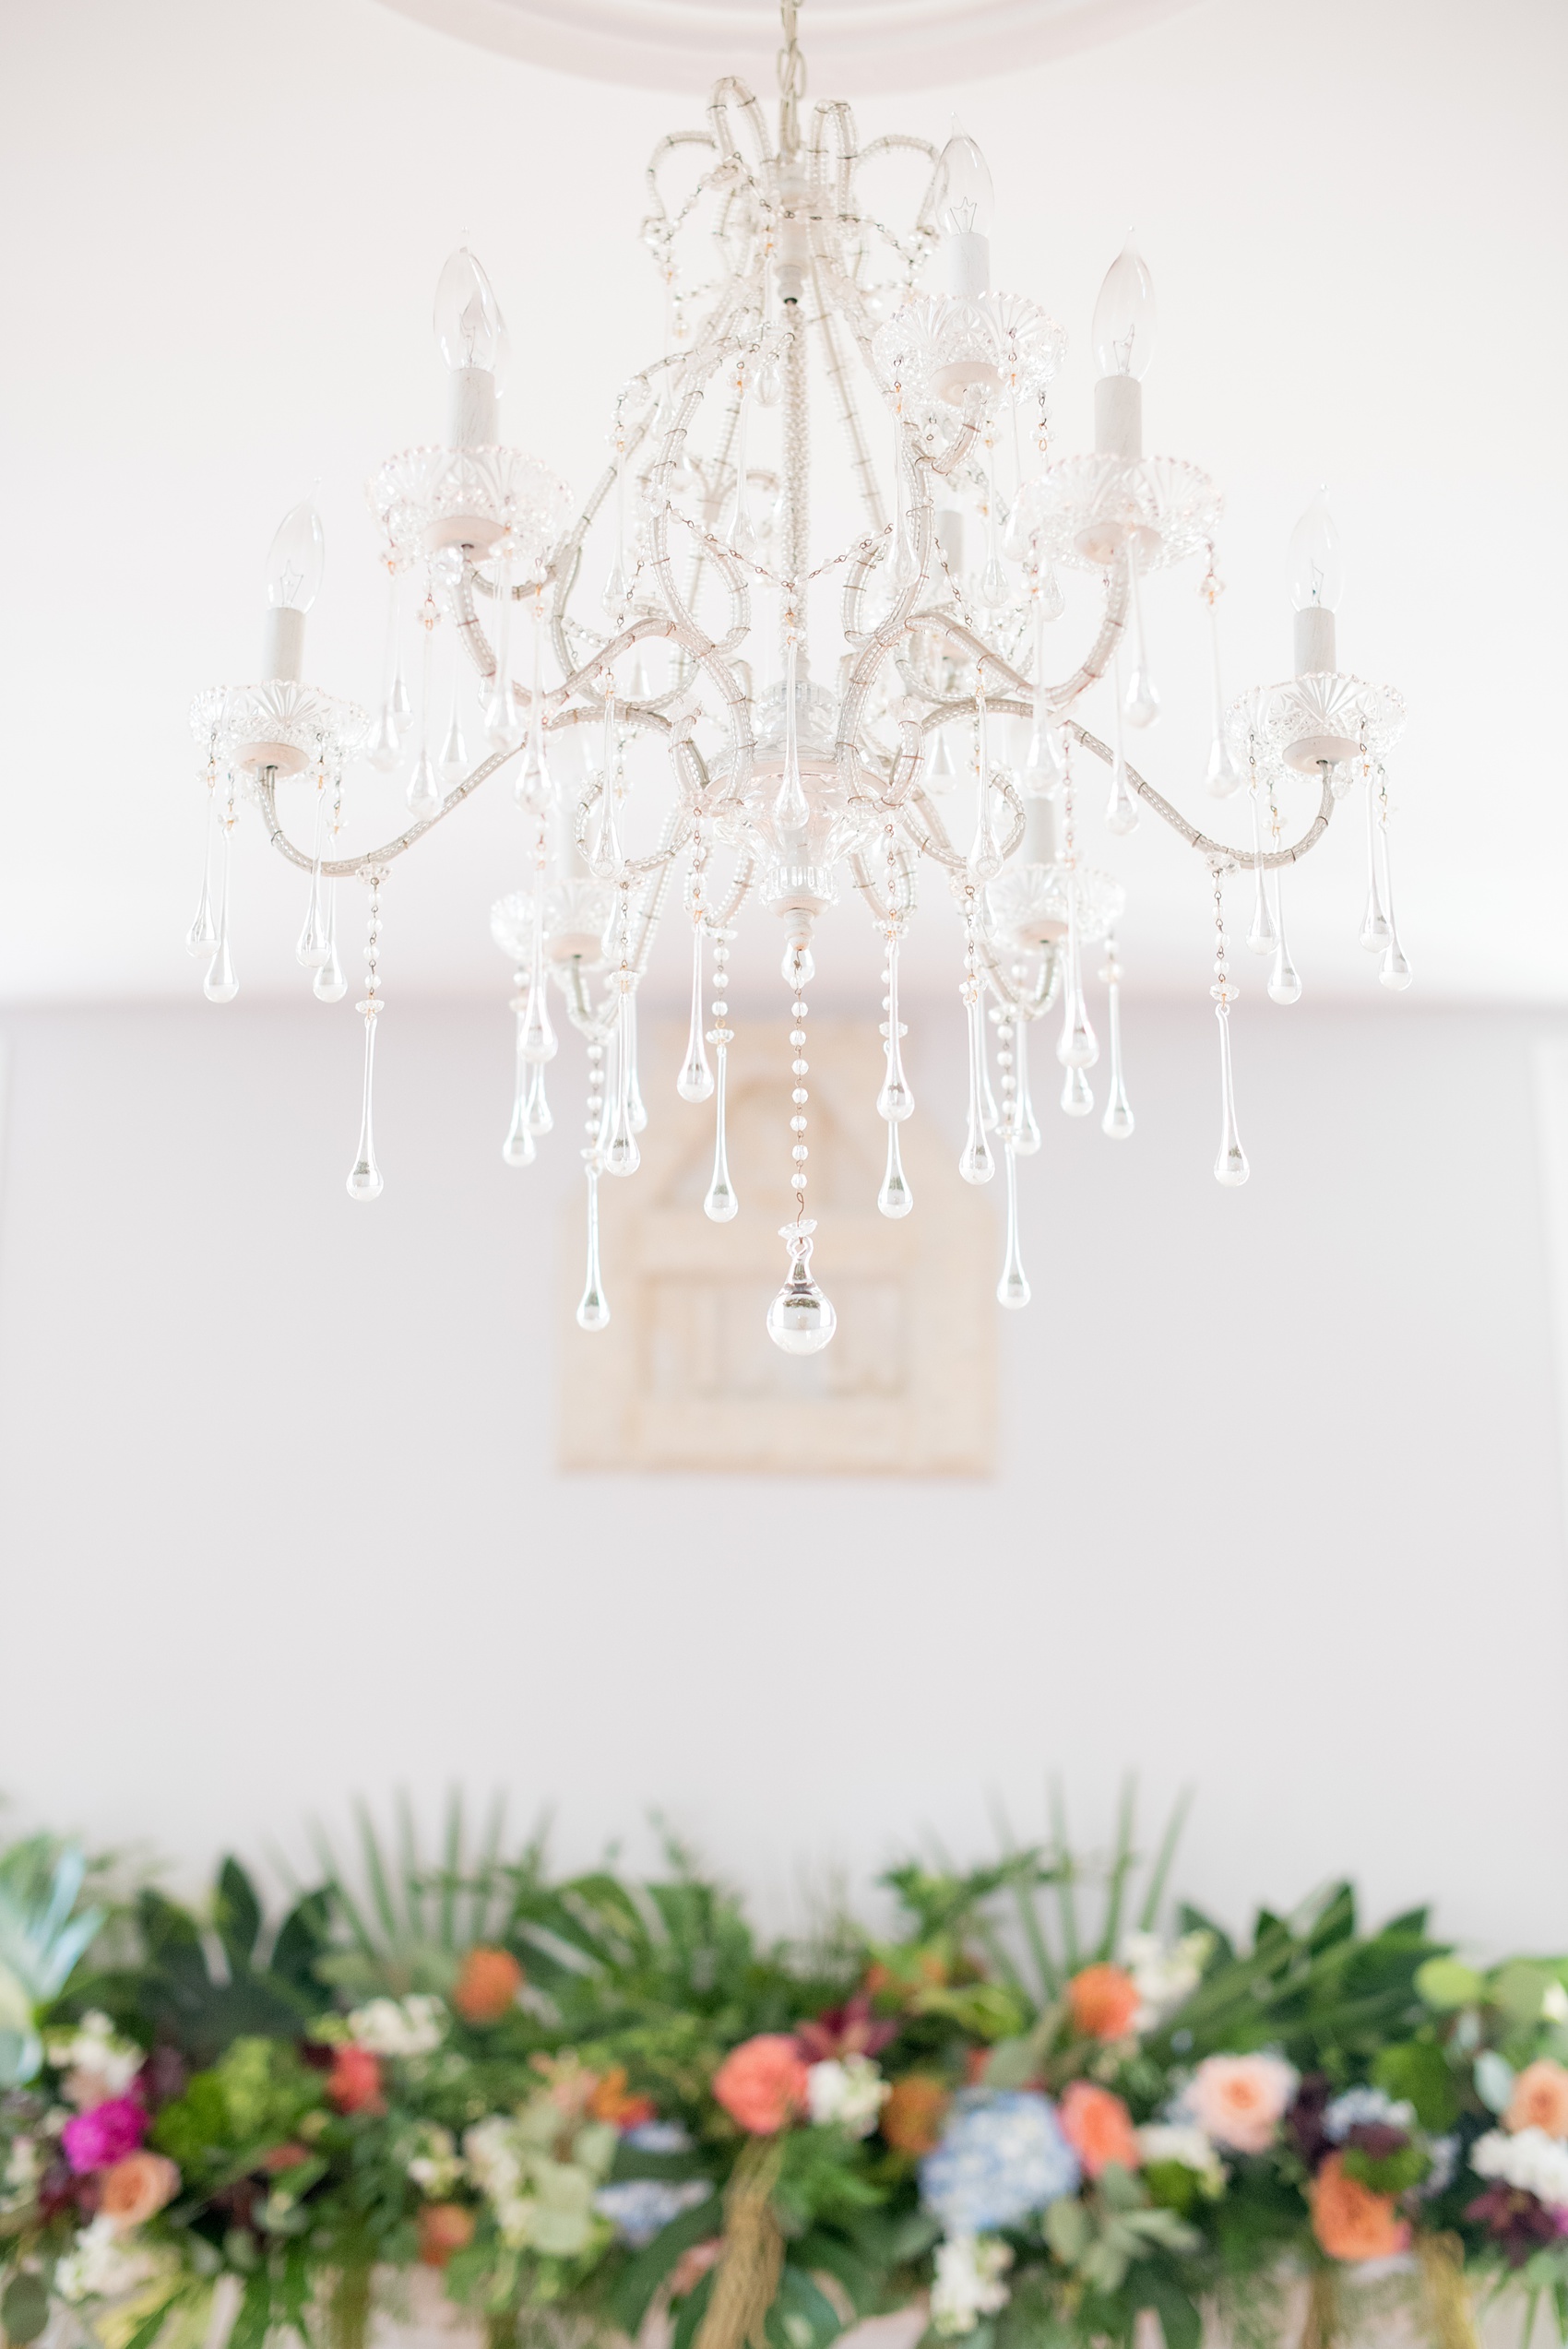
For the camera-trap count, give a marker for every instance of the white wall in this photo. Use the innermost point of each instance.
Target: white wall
(1279, 1513)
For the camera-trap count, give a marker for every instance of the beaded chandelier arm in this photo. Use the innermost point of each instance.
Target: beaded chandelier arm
(702, 638)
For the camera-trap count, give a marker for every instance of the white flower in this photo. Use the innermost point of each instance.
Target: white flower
(99, 2267)
(412, 2027)
(1363, 2107)
(1166, 2141)
(96, 2062)
(1163, 1978)
(1530, 2159)
(1554, 2003)
(970, 2268)
(851, 2092)
(437, 2167)
(495, 2157)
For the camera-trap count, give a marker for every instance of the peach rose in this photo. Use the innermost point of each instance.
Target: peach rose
(133, 2188)
(1351, 2222)
(444, 2227)
(1539, 2099)
(912, 2118)
(1099, 2127)
(1238, 2100)
(761, 2083)
(487, 1986)
(353, 2085)
(1104, 2002)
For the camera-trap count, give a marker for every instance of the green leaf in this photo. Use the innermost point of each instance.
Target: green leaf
(643, 2275)
(1444, 1984)
(236, 1912)
(1416, 2073)
(801, 2317)
(255, 2312)
(24, 2309)
(692, 2310)
(302, 1938)
(1178, 2317)
(151, 2326)
(1068, 2229)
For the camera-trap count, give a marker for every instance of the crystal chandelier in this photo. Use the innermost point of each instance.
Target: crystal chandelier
(765, 780)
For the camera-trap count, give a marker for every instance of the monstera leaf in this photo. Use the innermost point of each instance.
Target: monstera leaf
(42, 1935)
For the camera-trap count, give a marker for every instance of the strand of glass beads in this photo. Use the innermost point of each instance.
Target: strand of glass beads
(364, 1178)
(722, 1205)
(1230, 1166)
(593, 1311)
(329, 985)
(800, 1318)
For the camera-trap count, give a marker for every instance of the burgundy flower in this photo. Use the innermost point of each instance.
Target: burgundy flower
(162, 2077)
(849, 2030)
(1376, 2140)
(1516, 2222)
(1303, 2122)
(111, 2130)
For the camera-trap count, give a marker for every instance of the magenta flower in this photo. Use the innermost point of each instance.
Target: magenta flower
(111, 2130)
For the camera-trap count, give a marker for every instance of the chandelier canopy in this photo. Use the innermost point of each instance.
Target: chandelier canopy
(672, 707)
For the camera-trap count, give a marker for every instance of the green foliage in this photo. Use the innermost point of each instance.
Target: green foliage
(42, 1934)
(1417, 2071)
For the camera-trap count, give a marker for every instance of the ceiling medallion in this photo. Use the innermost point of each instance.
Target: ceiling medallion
(647, 669)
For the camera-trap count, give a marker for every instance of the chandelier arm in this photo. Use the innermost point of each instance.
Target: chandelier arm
(345, 868)
(796, 516)
(732, 91)
(1014, 804)
(691, 637)
(1232, 860)
(832, 113)
(848, 416)
(933, 841)
(740, 889)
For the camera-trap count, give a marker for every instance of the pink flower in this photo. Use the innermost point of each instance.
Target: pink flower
(96, 2139)
(1238, 2100)
(761, 2083)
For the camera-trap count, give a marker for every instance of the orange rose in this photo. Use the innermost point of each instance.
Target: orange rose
(444, 2227)
(132, 2190)
(1351, 2222)
(610, 2101)
(761, 2083)
(353, 2085)
(488, 1985)
(1539, 2099)
(1104, 2002)
(1099, 2128)
(913, 2116)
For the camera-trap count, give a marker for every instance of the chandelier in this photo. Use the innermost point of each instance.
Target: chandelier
(759, 763)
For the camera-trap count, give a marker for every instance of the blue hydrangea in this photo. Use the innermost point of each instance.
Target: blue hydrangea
(1003, 2155)
(640, 2208)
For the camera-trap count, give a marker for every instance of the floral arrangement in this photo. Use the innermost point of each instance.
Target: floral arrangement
(597, 2108)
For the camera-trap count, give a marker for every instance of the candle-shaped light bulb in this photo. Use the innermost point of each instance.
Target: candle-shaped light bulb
(1123, 345)
(963, 204)
(471, 336)
(1317, 571)
(294, 563)
(1124, 317)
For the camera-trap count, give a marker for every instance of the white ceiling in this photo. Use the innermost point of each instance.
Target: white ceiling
(855, 45)
(223, 227)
